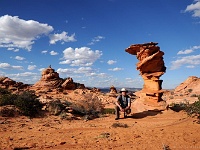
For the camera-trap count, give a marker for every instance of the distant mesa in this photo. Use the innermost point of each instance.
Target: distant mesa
(151, 67)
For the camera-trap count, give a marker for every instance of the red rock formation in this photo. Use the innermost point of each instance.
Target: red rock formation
(12, 85)
(151, 67)
(190, 86)
(113, 90)
(50, 81)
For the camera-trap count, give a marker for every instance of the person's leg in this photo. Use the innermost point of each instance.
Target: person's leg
(128, 111)
(117, 112)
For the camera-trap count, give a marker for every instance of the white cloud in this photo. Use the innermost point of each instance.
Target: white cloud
(188, 51)
(110, 62)
(84, 70)
(116, 69)
(25, 77)
(19, 58)
(61, 37)
(8, 66)
(53, 53)
(188, 60)
(96, 39)
(41, 69)
(19, 33)
(13, 49)
(25, 74)
(194, 8)
(44, 52)
(191, 66)
(83, 56)
(31, 67)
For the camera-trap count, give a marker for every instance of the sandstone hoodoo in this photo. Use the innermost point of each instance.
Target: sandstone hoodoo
(50, 80)
(151, 67)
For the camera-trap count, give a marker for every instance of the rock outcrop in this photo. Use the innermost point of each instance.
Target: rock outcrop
(151, 67)
(190, 86)
(50, 80)
(12, 85)
(113, 90)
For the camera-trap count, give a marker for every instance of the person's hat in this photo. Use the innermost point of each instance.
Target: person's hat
(123, 90)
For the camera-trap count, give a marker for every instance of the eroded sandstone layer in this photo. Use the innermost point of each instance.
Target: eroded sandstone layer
(151, 66)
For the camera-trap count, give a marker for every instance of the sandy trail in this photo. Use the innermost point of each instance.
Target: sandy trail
(155, 131)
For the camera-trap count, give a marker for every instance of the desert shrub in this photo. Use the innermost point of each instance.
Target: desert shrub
(9, 111)
(7, 99)
(55, 107)
(28, 103)
(194, 108)
(178, 106)
(181, 94)
(108, 111)
(189, 90)
(89, 105)
(4, 91)
(171, 97)
(122, 125)
(194, 95)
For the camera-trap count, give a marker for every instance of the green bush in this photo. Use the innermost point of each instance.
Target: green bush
(108, 111)
(28, 103)
(4, 91)
(189, 90)
(7, 99)
(194, 108)
(194, 95)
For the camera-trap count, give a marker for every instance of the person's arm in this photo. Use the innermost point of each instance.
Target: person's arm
(129, 104)
(118, 104)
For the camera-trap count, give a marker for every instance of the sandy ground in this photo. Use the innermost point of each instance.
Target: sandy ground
(140, 131)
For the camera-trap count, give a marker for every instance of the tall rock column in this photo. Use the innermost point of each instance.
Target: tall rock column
(151, 67)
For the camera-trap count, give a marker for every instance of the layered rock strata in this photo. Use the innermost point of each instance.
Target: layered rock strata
(151, 66)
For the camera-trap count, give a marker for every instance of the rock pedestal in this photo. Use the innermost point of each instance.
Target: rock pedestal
(151, 67)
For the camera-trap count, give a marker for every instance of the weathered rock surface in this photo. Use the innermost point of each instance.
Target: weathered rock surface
(50, 81)
(12, 85)
(113, 90)
(151, 67)
(190, 86)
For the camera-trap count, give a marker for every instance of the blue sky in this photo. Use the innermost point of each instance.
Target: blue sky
(86, 39)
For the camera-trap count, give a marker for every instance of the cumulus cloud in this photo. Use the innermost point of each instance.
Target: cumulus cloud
(192, 60)
(194, 8)
(61, 37)
(19, 33)
(110, 62)
(44, 52)
(31, 67)
(116, 69)
(53, 53)
(83, 56)
(96, 39)
(188, 51)
(13, 49)
(24, 74)
(19, 58)
(8, 66)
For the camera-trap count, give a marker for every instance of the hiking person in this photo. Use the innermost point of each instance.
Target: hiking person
(123, 104)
